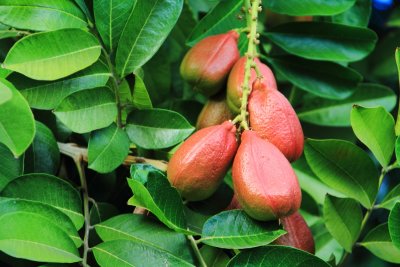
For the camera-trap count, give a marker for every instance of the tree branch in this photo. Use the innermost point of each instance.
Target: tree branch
(75, 152)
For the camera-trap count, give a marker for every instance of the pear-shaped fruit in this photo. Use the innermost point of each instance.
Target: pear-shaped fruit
(207, 64)
(298, 234)
(198, 166)
(236, 77)
(274, 119)
(214, 112)
(265, 183)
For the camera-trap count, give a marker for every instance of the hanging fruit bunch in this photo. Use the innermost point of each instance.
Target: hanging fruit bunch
(259, 143)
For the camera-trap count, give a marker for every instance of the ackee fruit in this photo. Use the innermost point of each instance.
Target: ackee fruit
(207, 64)
(274, 119)
(264, 181)
(198, 166)
(298, 234)
(236, 77)
(214, 112)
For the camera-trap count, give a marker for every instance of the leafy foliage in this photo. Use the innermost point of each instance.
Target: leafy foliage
(91, 93)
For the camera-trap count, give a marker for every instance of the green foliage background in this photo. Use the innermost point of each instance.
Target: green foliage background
(104, 75)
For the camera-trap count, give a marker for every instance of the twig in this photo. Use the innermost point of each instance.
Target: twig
(79, 165)
(75, 152)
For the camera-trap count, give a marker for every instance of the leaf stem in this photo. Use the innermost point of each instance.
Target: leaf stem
(115, 85)
(252, 9)
(196, 251)
(81, 171)
(114, 77)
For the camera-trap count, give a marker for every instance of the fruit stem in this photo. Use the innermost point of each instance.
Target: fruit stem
(252, 8)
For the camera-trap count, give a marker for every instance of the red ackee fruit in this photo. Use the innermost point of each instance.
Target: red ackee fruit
(298, 234)
(207, 64)
(274, 119)
(214, 112)
(264, 181)
(236, 77)
(198, 166)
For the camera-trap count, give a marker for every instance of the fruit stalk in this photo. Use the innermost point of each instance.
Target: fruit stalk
(252, 19)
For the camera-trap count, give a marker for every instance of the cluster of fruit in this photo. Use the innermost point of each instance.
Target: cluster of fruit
(265, 185)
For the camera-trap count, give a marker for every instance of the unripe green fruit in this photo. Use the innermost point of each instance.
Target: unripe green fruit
(265, 183)
(298, 234)
(199, 165)
(236, 77)
(207, 64)
(214, 112)
(273, 119)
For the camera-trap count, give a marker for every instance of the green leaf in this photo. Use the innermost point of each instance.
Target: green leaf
(390, 199)
(343, 217)
(84, 8)
(80, 110)
(328, 112)
(144, 34)
(41, 15)
(394, 19)
(379, 243)
(308, 7)
(344, 167)
(153, 192)
(141, 172)
(271, 256)
(357, 15)
(397, 126)
(43, 241)
(47, 95)
(157, 128)
(43, 156)
(324, 79)
(222, 18)
(147, 231)
(310, 183)
(4, 73)
(381, 65)
(319, 40)
(375, 128)
(10, 166)
(128, 253)
(49, 190)
(214, 257)
(111, 17)
(326, 247)
(141, 98)
(394, 225)
(17, 126)
(108, 147)
(52, 215)
(243, 232)
(5, 94)
(397, 149)
(67, 51)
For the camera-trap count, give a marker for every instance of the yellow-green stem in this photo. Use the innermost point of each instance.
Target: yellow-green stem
(196, 251)
(252, 18)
